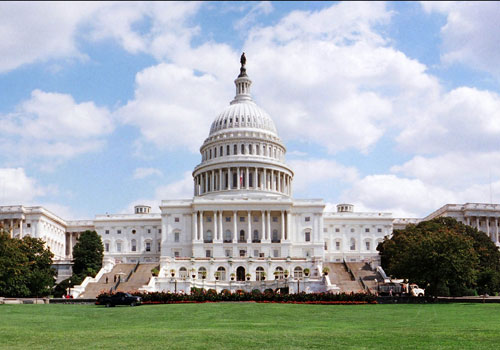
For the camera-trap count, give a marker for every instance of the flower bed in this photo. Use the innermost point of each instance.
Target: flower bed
(204, 296)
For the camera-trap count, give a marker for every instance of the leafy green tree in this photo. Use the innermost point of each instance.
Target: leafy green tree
(87, 256)
(443, 255)
(25, 267)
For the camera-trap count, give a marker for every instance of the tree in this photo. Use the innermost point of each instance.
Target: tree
(25, 267)
(443, 255)
(87, 256)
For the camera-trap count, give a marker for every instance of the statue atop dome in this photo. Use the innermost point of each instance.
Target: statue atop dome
(243, 70)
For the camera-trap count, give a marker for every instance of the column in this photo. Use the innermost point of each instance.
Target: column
(269, 234)
(468, 220)
(20, 228)
(263, 229)
(71, 244)
(320, 229)
(282, 226)
(279, 181)
(288, 217)
(216, 223)
(249, 237)
(264, 177)
(247, 181)
(272, 181)
(213, 181)
(238, 178)
(235, 227)
(220, 179)
(496, 229)
(221, 229)
(194, 226)
(488, 226)
(194, 187)
(477, 222)
(11, 228)
(200, 234)
(255, 178)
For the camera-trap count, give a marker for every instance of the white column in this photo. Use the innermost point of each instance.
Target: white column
(279, 181)
(194, 187)
(194, 226)
(269, 233)
(201, 235)
(20, 228)
(488, 226)
(221, 229)
(11, 228)
(468, 220)
(220, 179)
(71, 244)
(496, 229)
(282, 226)
(249, 237)
(255, 178)
(235, 227)
(320, 229)
(238, 178)
(477, 222)
(247, 181)
(216, 231)
(263, 232)
(288, 217)
(272, 180)
(212, 188)
(264, 183)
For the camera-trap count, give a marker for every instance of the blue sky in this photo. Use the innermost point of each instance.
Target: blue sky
(390, 106)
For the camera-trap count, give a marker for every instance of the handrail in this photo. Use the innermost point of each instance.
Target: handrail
(365, 287)
(349, 271)
(137, 266)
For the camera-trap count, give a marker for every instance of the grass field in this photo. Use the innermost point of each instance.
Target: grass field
(251, 326)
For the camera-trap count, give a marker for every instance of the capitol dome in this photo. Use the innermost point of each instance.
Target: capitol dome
(243, 153)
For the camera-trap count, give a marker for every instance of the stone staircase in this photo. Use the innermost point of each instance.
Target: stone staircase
(119, 270)
(138, 279)
(338, 275)
(364, 271)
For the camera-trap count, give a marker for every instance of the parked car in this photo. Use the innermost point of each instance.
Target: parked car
(119, 298)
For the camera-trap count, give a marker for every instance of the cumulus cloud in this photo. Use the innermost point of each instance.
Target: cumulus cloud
(141, 173)
(471, 32)
(17, 188)
(53, 125)
(309, 172)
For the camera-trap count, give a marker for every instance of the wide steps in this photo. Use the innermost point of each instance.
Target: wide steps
(139, 278)
(339, 276)
(364, 271)
(94, 289)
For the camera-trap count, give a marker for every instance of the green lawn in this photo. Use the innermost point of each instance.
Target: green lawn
(251, 326)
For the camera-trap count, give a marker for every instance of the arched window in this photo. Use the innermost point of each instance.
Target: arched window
(242, 149)
(297, 272)
(242, 236)
(222, 273)
(250, 149)
(134, 245)
(260, 274)
(228, 237)
(183, 273)
(215, 152)
(208, 236)
(279, 273)
(368, 244)
(353, 244)
(235, 150)
(275, 236)
(202, 272)
(106, 246)
(221, 151)
(228, 150)
(177, 236)
(256, 238)
(119, 246)
(307, 236)
(147, 245)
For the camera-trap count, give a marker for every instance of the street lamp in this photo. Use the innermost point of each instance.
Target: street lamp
(69, 289)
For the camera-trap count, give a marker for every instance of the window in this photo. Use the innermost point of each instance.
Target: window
(259, 274)
(367, 230)
(148, 246)
(256, 252)
(227, 237)
(275, 236)
(215, 152)
(337, 229)
(119, 231)
(202, 272)
(297, 272)
(379, 230)
(149, 230)
(242, 219)
(107, 231)
(242, 149)
(176, 219)
(118, 247)
(208, 253)
(222, 273)
(325, 229)
(177, 254)
(228, 219)
(159, 230)
(242, 236)
(106, 247)
(367, 243)
(250, 149)
(208, 236)
(242, 252)
(134, 245)
(228, 150)
(235, 149)
(255, 235)
(228, 253)
(308, 236)
(133, 232)
(326, 246)
(307, 219)
(176, 237)
(353, 244)
(276, 253)
(275, 219)
(255, 219)
(352, 230)
(279, 273)
(159, 246)
(337, 245)
(209, 219)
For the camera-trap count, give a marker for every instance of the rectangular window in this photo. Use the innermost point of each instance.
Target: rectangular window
(261, 255)
(308, 236)
(307, 218)
(255, 219)
(159, 230)
(337, 245)
(209, 219)
(242, 253)
(149, 230)
(177, 254)
(242, 219)
(148, 246)
(367, 245)
(118, 247)
(106, 247)
(134, 248)
(337, 229)
(119, 231)
(159, 246)
(367, 230)
(228, 253)
(228, 219)
(276, 253)
(326, 246)
(325, 229)
(275, 219)
(107, 232)
(255, 253)
(379, 230)
(28, 225)
(208, 253)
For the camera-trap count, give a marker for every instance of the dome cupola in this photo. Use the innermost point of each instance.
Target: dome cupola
(243, 152)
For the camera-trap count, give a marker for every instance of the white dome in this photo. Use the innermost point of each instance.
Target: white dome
(244, 114)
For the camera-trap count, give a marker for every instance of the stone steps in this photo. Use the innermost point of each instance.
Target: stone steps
(339, 276)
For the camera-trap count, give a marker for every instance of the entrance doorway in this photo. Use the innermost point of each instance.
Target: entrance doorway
(240, 273)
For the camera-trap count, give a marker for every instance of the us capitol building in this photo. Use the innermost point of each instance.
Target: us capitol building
(242, 224)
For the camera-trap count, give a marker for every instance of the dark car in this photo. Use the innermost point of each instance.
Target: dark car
(119, 298)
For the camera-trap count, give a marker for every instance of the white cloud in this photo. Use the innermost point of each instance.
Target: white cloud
(310, 172)
(173, 107)
(53, 125)
(471, 32)
(257, 9)
(17, 188)
(141, 173)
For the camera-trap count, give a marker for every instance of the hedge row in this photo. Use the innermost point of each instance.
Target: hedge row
(201, 295)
